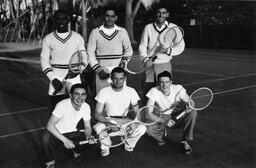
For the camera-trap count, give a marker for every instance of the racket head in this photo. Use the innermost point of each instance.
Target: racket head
(78, 61)
(112, 136)
(145, 117)
(201, 98)
(135, 65)
(179, 35)
(171, 36)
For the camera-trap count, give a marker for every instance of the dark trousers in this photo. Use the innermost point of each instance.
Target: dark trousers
(50, 143)
(157, 131)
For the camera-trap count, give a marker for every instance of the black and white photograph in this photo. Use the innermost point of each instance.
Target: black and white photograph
(127, 83)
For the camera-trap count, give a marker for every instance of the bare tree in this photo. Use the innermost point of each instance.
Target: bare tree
(131, 12)
(84, 17)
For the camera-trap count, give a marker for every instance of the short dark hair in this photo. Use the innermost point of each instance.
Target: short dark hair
(75, 86)
(165, 74)
(118, 70)
(107, 8)
(59, 12)
(160, 6)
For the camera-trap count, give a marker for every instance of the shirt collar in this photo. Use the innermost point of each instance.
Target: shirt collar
(162, 27)
(105, 29)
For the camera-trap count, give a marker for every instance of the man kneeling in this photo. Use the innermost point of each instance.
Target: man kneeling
(61, 127)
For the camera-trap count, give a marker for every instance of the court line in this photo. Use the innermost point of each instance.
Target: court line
(234, 90)
(26, 80)
(23, 111)
(214, 80)
(22, 132)
(216, 93)
(20, 60)
(221, 79)
(200, 73)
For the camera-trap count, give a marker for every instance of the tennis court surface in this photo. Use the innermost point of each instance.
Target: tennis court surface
(224, 135)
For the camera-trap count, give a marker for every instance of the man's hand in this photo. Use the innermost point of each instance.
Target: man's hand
(167, 120)
(122, 63)
(91, 140)
(149, 61)
(103, 75)
(57, 84)
(68, 144)
(165, 50)
(72, 75)
(170, 123)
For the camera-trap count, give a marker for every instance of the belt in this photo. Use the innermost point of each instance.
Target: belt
(60, 66)
(118, 116)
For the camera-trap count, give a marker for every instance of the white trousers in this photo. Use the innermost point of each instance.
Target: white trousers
(131, 140)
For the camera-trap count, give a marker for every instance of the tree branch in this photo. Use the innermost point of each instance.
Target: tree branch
(137, 6)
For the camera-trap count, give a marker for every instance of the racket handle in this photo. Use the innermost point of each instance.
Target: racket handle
(153, 58)
(85, 142)
(183, 113)
(81, 142)
(55, 93)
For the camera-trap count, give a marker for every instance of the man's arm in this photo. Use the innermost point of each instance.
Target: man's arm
(45, 60)
(144, 43)
(127, 45)
(178, 48)
(98, 114)
(151, 116)
(87, 129)
(91, 49)
(51, 128)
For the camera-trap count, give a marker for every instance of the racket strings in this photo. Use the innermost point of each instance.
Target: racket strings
(201, 98)
(179, 35)
(76, 63)
(136, 65)
(148, 115)
(172, 36)
(112, 136)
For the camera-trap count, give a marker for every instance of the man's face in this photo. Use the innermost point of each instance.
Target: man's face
(161, 15)
(164, 84)
(78, 97)
(61, 21)
(118, 80)
(109, 18)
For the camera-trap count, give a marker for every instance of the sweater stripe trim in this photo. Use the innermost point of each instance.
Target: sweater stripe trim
(159, 30)
(62, 40)
(108, 37)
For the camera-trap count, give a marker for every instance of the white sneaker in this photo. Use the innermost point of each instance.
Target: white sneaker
(50, 164)
(105, 152)
(129, 148)
(187, 148)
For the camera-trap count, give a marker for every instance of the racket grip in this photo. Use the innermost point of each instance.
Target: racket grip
(81, 142)
(153, 58)
(180, 115)
(55, 93)
(183, 113)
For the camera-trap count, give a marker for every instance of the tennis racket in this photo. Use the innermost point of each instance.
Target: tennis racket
(171, 37)
(167, 39)
(77, 63)
(144, 117)
(199, 100)
(110, 136)
(137, 65)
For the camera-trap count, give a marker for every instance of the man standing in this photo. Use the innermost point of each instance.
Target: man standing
(166, 95)
(61, 127)
(112, 107)
(150, 46)
(108, 46)
(57, 49)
